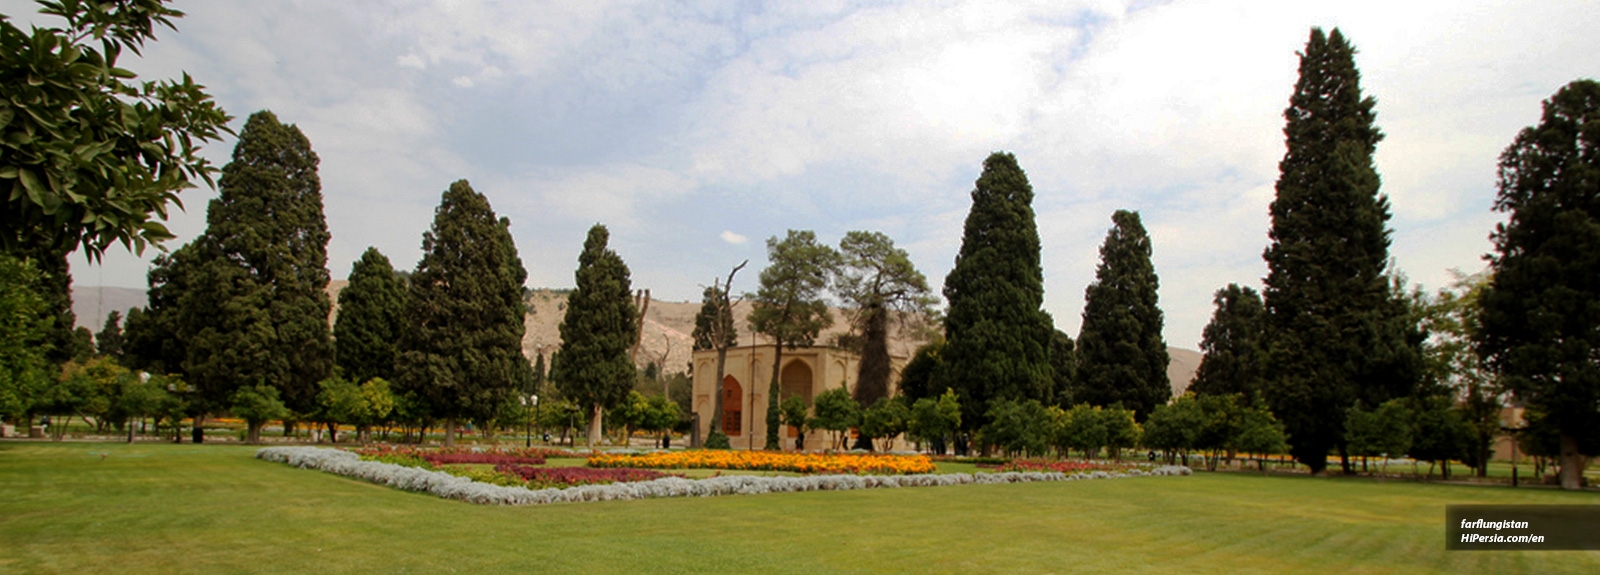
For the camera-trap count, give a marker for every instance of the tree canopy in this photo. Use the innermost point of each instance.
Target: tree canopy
(1122, 357)
(460, 353)
(998, 336)
(88, 156)
(593, 367)
(1232, 345)
(371, 313)
(877, 281)
(255, 308)
(789, 306)
(1336, 331)
(1540, 319)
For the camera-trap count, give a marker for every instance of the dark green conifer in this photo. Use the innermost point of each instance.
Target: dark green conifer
(1231, 345)
(1064, 360)
(109, 341)
(593, 367)
(371, 313)
(1336, 332)
(255, 308)
(1540, 316)
(998, 337)
(460, 352)
(1122, 358)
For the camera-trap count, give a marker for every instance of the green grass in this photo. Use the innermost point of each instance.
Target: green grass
(214, 509)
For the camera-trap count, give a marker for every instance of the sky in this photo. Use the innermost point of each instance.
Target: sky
(696, 130)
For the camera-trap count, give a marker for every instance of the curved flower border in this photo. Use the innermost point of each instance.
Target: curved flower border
(439, 483)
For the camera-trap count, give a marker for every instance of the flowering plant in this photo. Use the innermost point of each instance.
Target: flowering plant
(807, 463)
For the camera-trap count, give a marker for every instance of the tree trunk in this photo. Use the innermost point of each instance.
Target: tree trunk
(254, 437)
(1571, 462)
(130, 430)
(450, 431)
(593, 440)
(716, 410)
(199, 432)
(772, 400)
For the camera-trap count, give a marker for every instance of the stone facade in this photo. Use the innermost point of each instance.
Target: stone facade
(806, 372)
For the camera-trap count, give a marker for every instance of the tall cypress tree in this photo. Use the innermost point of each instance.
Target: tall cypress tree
(1122, 357)
(109, 341)
(593, 366)
(255, 312)
(151, 337)
(371, 313)
(1540, 320)
(998, 337)
(460, 352)
(1231, 345)
(1336, 331)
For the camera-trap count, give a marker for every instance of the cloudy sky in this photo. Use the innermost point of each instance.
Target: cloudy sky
(696, 130)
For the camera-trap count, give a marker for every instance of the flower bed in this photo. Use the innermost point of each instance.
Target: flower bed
(540, 477)
(807, 463)
(461, 455)
(452, 487)
(1059, 466)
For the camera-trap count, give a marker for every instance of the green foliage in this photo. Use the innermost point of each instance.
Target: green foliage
(835, 411)
(933, 419)
(593, 367)
(109, 341)
(998, 335)
(1451, 317)
(254, 308)
(1438, 433)
(371, 316)
(1064, 361)
(82, 344)
(151, 338)
(22, 362)
(460, 353)
(788, 307)
(1232, 345)
(793, 411)
(1020, 427)
(256, 405)
(1337, 332)
(88, 156)
(877, 282)
(1540, 321)
(1083, 428)
(717, 440)
(1176, 427)
(1385, 431)
(886, 420)
(661, 416)
(1122, 358)
(916, 378)
(706, 323)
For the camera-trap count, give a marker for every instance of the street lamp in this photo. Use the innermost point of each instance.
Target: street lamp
(527, 400)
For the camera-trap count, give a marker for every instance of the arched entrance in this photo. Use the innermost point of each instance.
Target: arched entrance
(796, 381)
(732, 411)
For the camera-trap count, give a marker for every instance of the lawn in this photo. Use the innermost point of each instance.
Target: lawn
(213, 508)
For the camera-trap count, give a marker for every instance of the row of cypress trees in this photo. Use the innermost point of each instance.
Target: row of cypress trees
(245, 304)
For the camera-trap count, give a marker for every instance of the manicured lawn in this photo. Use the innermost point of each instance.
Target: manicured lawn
(214, 509)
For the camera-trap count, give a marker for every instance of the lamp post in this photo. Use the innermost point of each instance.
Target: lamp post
(528, 433)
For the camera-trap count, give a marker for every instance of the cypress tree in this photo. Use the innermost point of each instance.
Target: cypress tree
(998, 337)
(1064, 360)
(460, 353)
(109, 341)
(371, 313)
(1540, 322)
(151, 338)
(255, 309)
(1231, 345)
(593, 367)
(1122, 358)
(789, 306)
(1336, 331)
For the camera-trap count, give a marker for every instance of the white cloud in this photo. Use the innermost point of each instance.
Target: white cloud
(461, 82)
(732, 238)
